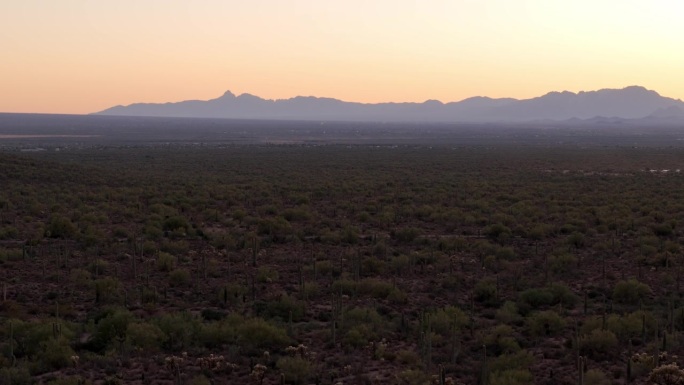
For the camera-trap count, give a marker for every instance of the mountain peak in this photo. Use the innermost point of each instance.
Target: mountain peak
(631, 90)
(637, 89)
(247, 96)
(561, 94)
(227, 95)
(640, 90)
(433, 102)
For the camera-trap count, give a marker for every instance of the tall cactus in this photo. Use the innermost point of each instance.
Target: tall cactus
(576, 340)
(629, 362)
(255, 250)
(643, 327)
(56, 330)
(656, 347)
(484, 371)
(581, 367)
(11, 344)
(335, 311)
(455, 344)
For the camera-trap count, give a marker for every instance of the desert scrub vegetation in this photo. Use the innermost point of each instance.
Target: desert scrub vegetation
(391, 264)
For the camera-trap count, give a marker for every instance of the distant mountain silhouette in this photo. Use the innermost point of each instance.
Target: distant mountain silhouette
(675, 111)
(627, 103)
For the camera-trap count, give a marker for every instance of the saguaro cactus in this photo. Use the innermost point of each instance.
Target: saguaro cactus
(255, 250)
(11, 344)
(484, 373)
(581, 367)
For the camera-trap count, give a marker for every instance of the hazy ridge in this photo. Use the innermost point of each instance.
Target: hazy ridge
(632, 102)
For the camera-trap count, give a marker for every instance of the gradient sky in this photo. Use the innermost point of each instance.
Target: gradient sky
(81, 56)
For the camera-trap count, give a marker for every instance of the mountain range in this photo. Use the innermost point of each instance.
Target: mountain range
(632, 102)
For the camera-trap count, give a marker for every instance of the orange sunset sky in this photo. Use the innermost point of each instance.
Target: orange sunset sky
(78, 56)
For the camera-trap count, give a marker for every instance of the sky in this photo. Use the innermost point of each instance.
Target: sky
(82, 56)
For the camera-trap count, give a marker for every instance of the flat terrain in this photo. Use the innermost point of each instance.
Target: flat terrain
(31, 131)
(355, 254)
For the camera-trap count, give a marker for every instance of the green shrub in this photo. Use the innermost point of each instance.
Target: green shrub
(372, 266)
(535, 298)
(209, 314)
(358, 336)
(216, 334)
(662, 229)
(146, 336)
(485, 291)
(80, 277)
(406, 235)
(375, 288)
(299, 214)
(545, 323)
(623, 326)
(324, 268)
(98, 267)
(563, 295)
(498, 232)
(283, 307)
(106, 289)
(361, 325)
(519, 360)
(30, 337)
(8, 232)
(397, 296)
(72, 380)
(630, 292)
(54, 354)
(508, 313)
(260, 334)
(511, 377)
(266, 275)
(399, 263)
(19, 375)
(598, 344)
(10, 254)
(363, 315)
(563, 263)
(413, 377)
(111, 381)
(344, 286)
(447, 320)
(179, 277)
(505, 254)
(350, 235)
(423, 257)
(576, 239)
(200, 380)
(60, 227)
(111, 330)
(176, 223)
(166, 262)
(231, 294)
(180, 330)
(309, 290)
(501, 340)
(296, 370)
(596, 377)
(409, 359)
